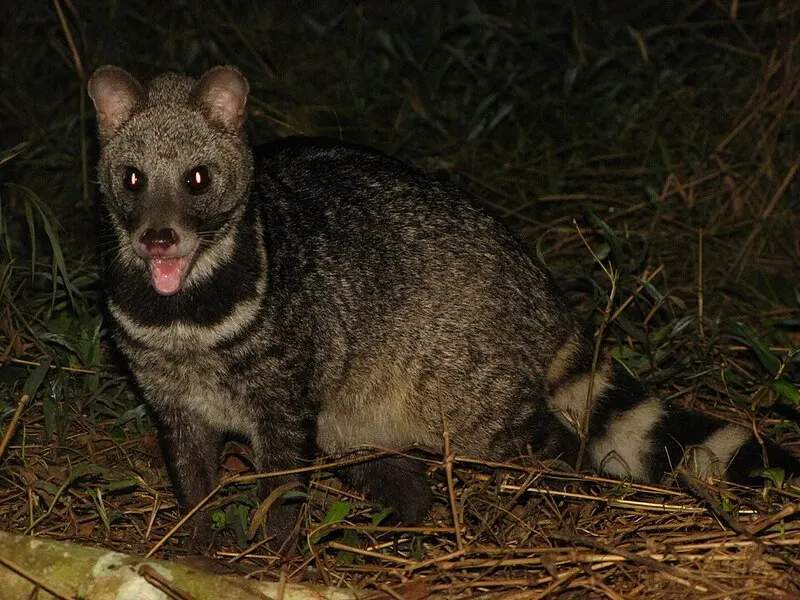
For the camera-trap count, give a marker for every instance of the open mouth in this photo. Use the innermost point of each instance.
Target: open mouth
(168, 274)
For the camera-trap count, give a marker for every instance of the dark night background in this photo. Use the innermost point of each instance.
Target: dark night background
(663, 133)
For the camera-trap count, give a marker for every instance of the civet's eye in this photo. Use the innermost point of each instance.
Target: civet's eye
(134, 179)
(197, 179)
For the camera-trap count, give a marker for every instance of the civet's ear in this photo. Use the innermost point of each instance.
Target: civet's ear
(116, 95)
(221, 95)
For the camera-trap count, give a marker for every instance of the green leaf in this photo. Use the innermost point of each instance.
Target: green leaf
(682, 324)
(786, 389)
(345, 557)
(48, 220)
(775, 474)
(137, 413)
(218, 520)
(748, 337)
(727, 504)
(86, 468)
(660, 335)
(678, 302)
(32, 233)
(379, 515)
(50, 413)
(732, 377)
(58, 339)
(337, 511)
(6, 410)
(651, 290)
(122, 484)
(295, 495)
(236, 517)
(36, 377)
(46, 486)
(630, 357)
(417, 549)
(611, 238)
(631, 329)
(603, 251)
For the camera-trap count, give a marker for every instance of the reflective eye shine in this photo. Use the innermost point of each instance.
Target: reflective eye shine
(133, 180)
(197, 179)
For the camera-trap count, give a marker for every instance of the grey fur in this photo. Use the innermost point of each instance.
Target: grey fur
(336, 298)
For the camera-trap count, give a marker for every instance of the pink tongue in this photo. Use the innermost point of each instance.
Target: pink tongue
(168, 274)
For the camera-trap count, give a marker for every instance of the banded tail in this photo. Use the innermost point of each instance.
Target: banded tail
(635, 435)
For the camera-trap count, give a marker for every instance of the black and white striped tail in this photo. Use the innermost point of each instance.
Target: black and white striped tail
(637, 436)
